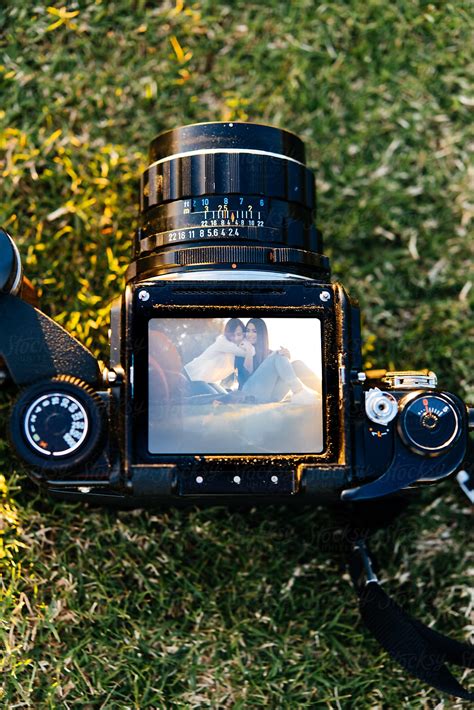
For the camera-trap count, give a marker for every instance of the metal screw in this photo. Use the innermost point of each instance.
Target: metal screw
(237, 479)
(325, 296)
(274, 479)
(112, 377)
(143, 295)
(199, 479)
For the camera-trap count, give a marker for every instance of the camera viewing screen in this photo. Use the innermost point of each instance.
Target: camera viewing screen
(235, 386)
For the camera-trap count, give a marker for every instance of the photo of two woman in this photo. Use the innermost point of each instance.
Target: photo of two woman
(233, 385)
(263, 374)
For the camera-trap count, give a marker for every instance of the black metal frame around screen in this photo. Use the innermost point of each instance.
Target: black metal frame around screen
(297, 305)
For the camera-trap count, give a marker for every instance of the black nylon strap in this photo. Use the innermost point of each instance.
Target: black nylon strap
(461, 654)
(422, 651)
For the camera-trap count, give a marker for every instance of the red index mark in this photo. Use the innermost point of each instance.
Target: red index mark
(425, 402)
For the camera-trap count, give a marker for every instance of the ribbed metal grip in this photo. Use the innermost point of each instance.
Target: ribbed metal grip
(230, 256)
(246, 173)
(244, 255)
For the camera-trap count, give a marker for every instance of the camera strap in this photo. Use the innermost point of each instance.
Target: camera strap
(419, 649)
(422, 651)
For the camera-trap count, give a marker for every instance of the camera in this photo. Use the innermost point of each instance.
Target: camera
(235, 370)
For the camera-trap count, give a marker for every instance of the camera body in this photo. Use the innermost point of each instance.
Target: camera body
(195, 405)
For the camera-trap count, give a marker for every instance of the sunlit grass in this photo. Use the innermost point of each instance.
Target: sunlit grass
(218, 608)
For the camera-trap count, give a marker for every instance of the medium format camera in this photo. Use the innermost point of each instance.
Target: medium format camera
(235, 368)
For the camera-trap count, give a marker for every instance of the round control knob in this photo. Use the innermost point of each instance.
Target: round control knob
(380, 407)
(58, 425)
(428, 423)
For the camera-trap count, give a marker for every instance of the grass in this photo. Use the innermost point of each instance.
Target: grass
(217, 608)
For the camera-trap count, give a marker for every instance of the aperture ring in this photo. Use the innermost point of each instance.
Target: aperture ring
(294, 235)
(225, 174)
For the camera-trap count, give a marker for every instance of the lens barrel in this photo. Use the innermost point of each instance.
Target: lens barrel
(227, 196)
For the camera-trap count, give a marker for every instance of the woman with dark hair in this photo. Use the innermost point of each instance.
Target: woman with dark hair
(256, 334)
(217, 361)
(272, 376)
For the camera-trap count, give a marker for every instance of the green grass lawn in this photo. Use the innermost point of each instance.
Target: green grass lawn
(215, 608)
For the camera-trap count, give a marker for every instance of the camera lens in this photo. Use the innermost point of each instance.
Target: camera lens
(227, 196)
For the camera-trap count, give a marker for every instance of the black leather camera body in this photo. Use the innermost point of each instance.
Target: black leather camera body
(235, 369)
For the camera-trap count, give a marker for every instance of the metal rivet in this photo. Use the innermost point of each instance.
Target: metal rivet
(237, 479)
(325, 296)
(199, 479)
(274, 479)
(143, 295)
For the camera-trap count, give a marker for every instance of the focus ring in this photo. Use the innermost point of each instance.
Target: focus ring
(244, 173)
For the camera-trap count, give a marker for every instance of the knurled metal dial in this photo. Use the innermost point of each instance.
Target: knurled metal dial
(58, 425)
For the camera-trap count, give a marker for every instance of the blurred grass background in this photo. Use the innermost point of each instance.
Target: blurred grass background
(216, 608)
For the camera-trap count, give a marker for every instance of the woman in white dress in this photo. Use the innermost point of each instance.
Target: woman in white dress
(217, 361)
